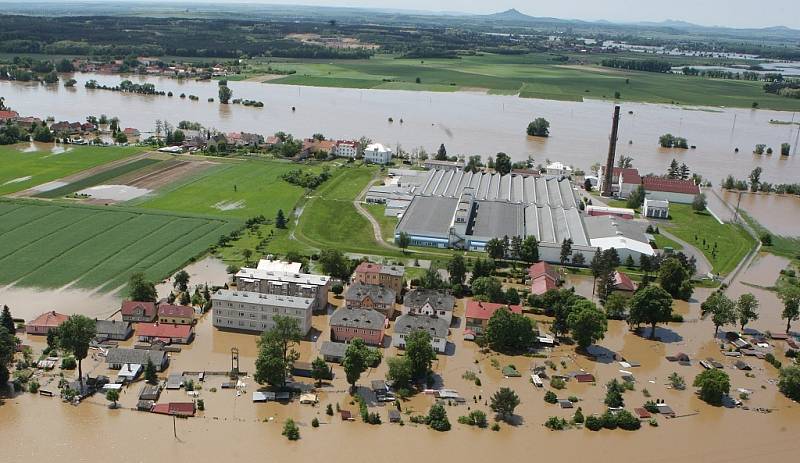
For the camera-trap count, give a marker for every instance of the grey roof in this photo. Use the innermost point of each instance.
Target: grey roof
(438, 300)
(140, 356)
(606, 226)
(428, 216)
(333, 349)
(496, 219)
(357, 318)
(379, 294)
(112, 327)
(436, 327)
(264, 299)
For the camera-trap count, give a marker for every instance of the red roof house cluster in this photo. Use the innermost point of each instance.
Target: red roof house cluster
(670, 185)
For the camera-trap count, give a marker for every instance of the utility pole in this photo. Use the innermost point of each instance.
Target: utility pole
(174, 428)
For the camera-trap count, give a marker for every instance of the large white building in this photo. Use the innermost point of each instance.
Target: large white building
(346, 149)
(251, 311)
(558, 169)
(377, 154)
(284, 278)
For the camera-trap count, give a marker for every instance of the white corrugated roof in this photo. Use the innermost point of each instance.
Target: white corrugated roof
(620, 242)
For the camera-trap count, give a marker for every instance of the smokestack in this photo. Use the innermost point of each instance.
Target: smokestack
(612, 151)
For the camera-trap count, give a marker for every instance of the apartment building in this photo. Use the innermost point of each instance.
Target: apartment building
(253, 311)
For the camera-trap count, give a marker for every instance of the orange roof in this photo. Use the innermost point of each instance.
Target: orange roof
(484, 310)
(542, 284)
(670, 185)
(52, 319)
(543, 269)
(8, 115)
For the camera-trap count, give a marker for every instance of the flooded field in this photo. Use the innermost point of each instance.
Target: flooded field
(466, 122)
(777, 213)
(232, 427)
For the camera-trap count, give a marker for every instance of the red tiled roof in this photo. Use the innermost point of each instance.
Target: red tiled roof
(542, 284)
(163, 330)
(51, 318)
(629, 175)
(368, 267)
(8, 115)
(485, 310)
(623, 282)
(128, 307)
(540, 269)
(642, 413)
(670, 185)
(584, 378)
(170, 310)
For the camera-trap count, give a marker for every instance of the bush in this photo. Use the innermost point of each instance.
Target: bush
(329, 410)
(315, 423)
(437, 418)
(557, 383)
(475, 418)
(608, 420)
(650, 406)
(290, 430)
(766, 239)
(555, 423)
(625, 420)
(495, 427)
(33, 387)
(550, 397)
(578, 416)
(69, 363)
(201, 404)
(593, 423)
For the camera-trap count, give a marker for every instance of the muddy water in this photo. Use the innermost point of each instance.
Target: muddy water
(777, 213)
(762, 273)
(466, 122)
(233, 428)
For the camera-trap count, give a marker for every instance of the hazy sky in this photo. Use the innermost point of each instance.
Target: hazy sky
(733, 13)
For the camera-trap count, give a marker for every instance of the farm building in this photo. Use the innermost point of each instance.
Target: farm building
(113, 330)
(45, 322)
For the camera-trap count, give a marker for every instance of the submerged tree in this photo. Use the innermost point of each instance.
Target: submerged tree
(75, 335)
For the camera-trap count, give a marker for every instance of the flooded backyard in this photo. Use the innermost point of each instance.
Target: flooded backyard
(466, 122)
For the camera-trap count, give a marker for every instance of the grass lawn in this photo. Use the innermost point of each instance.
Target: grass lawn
(50, 246)
(703, 231)
(663, 242)
(235, 190)
(23, 170)
(535, 75)
(388, 224)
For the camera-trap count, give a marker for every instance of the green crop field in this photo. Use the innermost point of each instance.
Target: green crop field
(703, 231)
(49, 246)
(234, 189)
(532, 76)
(98, 178)
(22, 170)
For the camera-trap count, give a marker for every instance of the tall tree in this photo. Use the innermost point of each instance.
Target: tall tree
(509, 332)
(625, 162)
(790, 295)
(403, 241)
(755, 179)
(674, 170)
(566, 250)
(539, 127)
(651, 305)
(140, 289)
(746, 309)
(721, 309)
(280, 219)
(488, 287)
(502, 164)
(441, 154)
(334, 263)
(503, 402)
(529, 251)
(587, 324)
(457, 269)
(181, 281)
(495, 248)
(357, 358)
(75, 335)
(8, 347)
(225, 94)
(474, 164)
(7, 320)
(420, 353)
(320, 371)
(276, 355)
(714, 385)
(515, 248)
(150, 374)
(674, 278)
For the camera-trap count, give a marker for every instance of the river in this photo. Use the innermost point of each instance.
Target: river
(466, 122)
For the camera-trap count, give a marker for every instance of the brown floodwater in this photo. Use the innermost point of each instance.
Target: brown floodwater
(466, 122)
(780, 214)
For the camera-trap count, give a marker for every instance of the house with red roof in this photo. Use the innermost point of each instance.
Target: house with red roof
(175, 314)
(623, 283)
(674, 190)
(623, 181)
(478, 314)
(165, 332)
(390, 276)
(6, 116)
(543, 277)
(137, 311)
(45, 322)
(175, 408)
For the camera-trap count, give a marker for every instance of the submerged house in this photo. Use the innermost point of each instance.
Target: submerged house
(45, 322)
(113, 330)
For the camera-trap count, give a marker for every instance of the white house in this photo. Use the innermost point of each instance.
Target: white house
(557, 169)
(377, 154)
(346, 149)
(429, 302)
(407, 324)
(654, 208)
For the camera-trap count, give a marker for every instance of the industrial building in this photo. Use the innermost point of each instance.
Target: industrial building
(465, 210)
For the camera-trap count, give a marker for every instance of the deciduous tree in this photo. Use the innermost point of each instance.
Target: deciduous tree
(587, 324)
(651, 305)
(503, 402)
(75, 335)
(714, 384)
(746, 309)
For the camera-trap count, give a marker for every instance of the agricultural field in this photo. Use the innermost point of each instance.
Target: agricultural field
(24, 168)
(98, 178)
(531, 76)
(234, 189)
(50, 246)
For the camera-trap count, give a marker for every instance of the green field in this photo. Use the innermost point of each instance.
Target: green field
(703, 231)
(98, 178)
(532, 76)
(234, 189)
(22, 170)
(50, 246)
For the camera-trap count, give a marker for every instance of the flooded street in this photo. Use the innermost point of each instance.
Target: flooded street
(466, 122)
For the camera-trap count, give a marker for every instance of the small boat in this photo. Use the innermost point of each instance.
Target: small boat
(537, 381)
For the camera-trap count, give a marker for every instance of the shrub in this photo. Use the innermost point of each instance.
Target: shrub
(315, 423)
(650, 406)
(593, 423)
(474, 418)
(290, 430)
(557, 383)
(550, 397)
(329, 410)
(625, 420)
(495, 427)
(69, 363)
(608, 420)
(201, 405)
(555, 423)
(33, 387)
(578, 416)
(653, 422)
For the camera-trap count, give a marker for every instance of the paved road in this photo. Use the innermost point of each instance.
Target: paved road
(703, 265)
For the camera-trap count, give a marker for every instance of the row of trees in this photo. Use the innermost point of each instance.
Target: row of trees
(754, 183)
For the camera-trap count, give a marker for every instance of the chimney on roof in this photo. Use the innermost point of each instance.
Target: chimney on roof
(612, 151)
